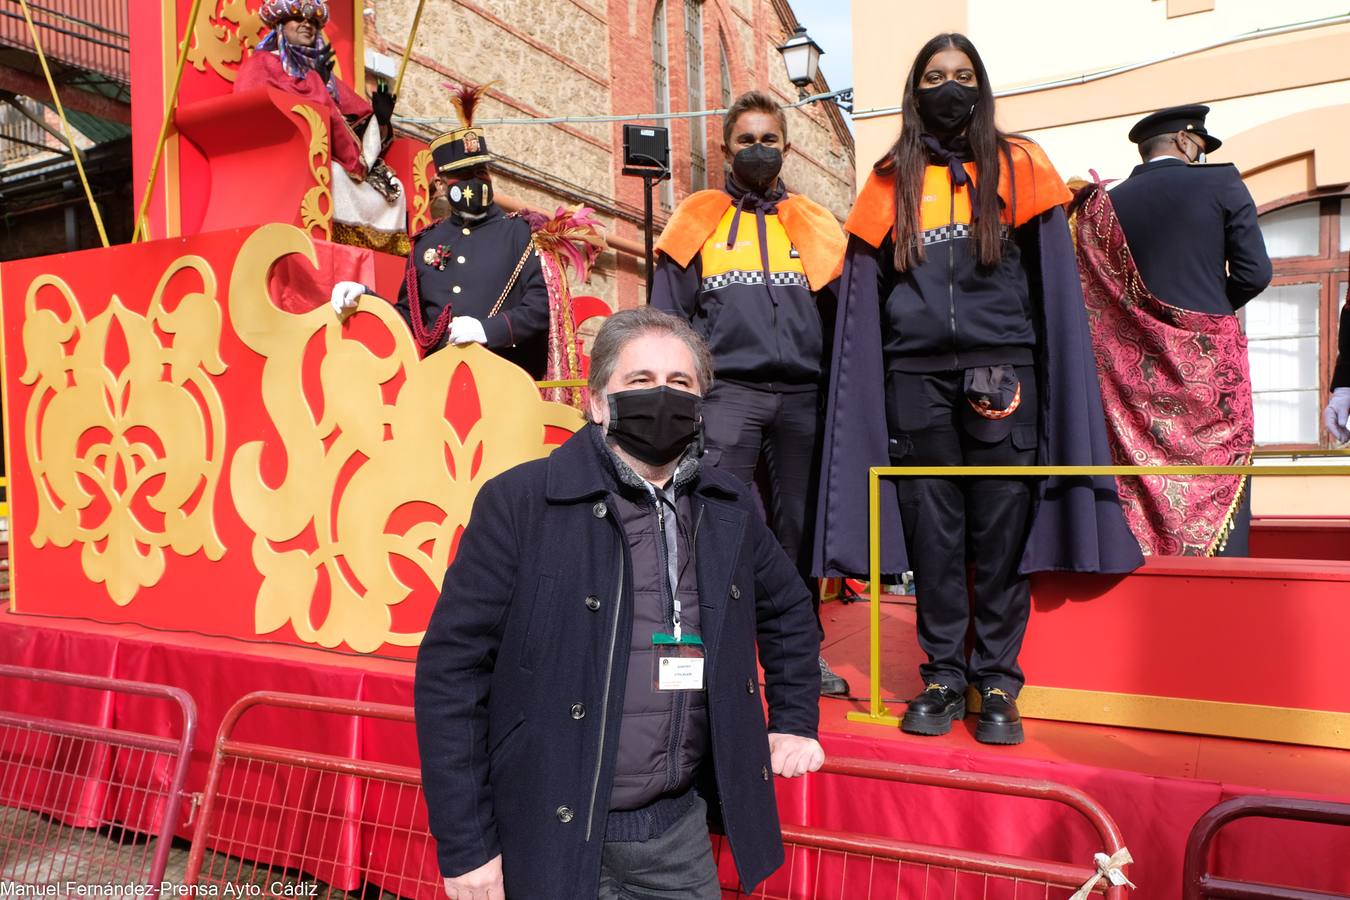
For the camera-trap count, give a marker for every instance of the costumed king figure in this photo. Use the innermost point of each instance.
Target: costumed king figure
(369, 207)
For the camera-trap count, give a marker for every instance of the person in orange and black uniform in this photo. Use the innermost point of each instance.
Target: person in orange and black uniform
(748, 266)
(475, 276)
(962, 340)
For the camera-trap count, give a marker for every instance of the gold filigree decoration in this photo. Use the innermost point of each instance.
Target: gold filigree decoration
(383, 456)
(223, 31)
(421, 192)
(316, 207)
(125, 432)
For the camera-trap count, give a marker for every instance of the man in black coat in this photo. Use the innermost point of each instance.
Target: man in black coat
(1338, 408)
(474, 276)
(1192, 231)
(586, 691)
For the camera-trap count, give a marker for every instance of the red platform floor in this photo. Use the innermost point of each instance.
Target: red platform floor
(1154, 785)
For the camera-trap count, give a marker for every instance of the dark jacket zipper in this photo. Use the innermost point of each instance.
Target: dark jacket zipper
(678, 701)
(951, 273)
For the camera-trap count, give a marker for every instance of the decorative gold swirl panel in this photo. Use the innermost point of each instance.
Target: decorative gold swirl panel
(125, 432)
(377, 437)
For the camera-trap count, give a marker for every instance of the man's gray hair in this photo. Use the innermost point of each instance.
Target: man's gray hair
(631, 324)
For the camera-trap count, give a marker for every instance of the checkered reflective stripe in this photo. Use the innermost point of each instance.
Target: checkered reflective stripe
(952, 232)
(777, 279)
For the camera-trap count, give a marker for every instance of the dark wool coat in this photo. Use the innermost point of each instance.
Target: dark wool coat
(520, 677)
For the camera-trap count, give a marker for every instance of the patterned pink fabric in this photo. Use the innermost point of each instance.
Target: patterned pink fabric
(1176, 390)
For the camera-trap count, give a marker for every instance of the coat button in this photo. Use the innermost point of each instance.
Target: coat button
(764, 772)
(578, 711)
(749, 685)
(592, 603)
(460, 260)
(456, 289)
(599, 510)
(466, 231)
(564, 814)
(735, 592)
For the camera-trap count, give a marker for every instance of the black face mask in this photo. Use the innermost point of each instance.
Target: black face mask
(947, 108)
(471, 195)
(656, 424)
(757, 166)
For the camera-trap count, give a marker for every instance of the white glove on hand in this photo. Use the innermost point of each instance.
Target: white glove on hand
(345, 296)
(467, 330)
(1337, 411)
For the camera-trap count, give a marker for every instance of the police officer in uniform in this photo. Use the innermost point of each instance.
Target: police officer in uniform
(1192, 230)
(474, 276)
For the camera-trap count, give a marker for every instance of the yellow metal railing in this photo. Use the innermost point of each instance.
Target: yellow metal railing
(877, 713)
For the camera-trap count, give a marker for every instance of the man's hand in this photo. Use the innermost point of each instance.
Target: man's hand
(467, 330)
(345, 297)
(792, 755)
(1336, 413)
(483, 883)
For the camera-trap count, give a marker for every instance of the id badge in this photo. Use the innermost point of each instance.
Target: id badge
(677, 663)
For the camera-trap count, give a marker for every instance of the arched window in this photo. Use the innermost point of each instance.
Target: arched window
(661, 80)
(698, 128)
(1291, 327)
(725, 66)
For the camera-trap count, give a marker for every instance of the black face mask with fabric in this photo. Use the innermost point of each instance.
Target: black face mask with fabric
(471, 195)
(656, 424)
(947, 109)
(757, 167)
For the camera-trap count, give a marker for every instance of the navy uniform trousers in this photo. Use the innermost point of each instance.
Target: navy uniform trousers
(954, 525)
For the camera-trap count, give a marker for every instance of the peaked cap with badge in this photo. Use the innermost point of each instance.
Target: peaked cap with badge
(466, 146)
(1190, 119)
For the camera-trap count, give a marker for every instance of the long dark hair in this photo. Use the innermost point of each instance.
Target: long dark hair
(907, 159)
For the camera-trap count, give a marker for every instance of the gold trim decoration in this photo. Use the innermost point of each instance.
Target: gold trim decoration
(384, 453)
(125, 431)
(220, 35)
(421, 217)
(316, 207)
(1284, 725)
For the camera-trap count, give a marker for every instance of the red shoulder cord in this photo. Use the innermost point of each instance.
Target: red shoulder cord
(424, 340)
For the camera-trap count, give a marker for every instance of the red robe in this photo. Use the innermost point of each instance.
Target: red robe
(265, 70)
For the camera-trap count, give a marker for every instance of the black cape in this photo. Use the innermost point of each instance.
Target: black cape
(1077, 525)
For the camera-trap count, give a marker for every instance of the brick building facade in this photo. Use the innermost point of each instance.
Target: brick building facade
(601, 57)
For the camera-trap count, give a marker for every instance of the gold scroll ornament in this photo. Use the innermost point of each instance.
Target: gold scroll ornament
(223, 31)
(143, 439)
(373, 439)
(316, 207)
(422, 195)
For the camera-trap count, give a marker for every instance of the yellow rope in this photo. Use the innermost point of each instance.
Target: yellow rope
(407, 48)
(65, 125)
(141, 226)
(564, 383)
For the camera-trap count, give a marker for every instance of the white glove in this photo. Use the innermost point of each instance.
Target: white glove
(1335, 414)
(467, 330)
(345, 296)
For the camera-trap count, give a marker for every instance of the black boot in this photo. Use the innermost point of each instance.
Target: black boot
(933, 711)
(1000, 722)
(831, 683)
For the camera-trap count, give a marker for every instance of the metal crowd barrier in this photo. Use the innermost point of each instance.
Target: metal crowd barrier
(1199, 884)
(295, 822)
(827, 865)
(877, 713)
(84, 803)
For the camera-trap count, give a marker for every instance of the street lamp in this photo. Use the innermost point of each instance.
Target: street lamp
(801, 56)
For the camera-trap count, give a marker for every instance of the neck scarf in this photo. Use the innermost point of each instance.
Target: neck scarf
(950, 153)
(298, 61)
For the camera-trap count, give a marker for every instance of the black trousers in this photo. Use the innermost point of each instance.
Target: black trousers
(955, 525)
(778, 434)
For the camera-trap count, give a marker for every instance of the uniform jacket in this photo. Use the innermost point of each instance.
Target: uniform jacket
(1341, 377)
(467, 265)
(520, 677)
(1078, 524)
(1193, 234)
(753, 300)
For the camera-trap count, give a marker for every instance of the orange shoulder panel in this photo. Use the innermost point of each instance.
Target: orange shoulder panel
(692, 223)
(1039, 186)
(873, 215)
(816, 234)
